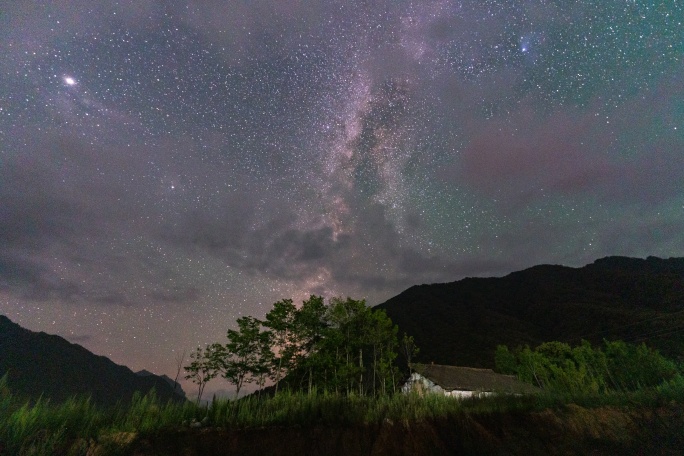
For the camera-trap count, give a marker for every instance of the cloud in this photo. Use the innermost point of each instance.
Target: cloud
(566, 154)
(63, 206)
(277, 248)
(559, 153)
(30, 26)
(176, 295)
(659, 236)
(80, 339)
(33, 209)
(33, 281)
(369, 257)
(112, 299)
(158, 295)
(435, 267)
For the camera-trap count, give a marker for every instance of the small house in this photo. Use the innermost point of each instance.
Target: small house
(463, 382)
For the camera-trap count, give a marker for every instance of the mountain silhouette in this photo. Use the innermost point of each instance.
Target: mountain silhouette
(461, 323)
(39, 364)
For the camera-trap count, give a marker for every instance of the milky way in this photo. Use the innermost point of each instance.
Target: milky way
(166, 167)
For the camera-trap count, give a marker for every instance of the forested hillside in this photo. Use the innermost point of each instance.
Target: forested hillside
(630, 299)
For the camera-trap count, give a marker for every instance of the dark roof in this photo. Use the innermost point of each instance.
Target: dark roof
(471, 379)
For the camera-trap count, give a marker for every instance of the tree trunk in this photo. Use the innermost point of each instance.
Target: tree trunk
(238, 385)
(361, 372)
(350, 386)
(337, 362)
(375, 368)
(199, 392)
(280, 367)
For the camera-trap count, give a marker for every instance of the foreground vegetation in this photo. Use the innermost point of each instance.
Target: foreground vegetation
(76, 425)
(336, 367)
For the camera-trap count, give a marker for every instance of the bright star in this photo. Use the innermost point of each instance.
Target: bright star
(69, 80)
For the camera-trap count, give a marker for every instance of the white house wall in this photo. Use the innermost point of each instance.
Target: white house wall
(419, 383)
(460, 394)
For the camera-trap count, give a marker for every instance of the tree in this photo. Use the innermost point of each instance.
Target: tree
(409, 349)
(632, 367)
(532, 367)
(348, 325)
(280, 321)
(505, 361)
(594, 362)
(309, 325)
(584, 369)
(201, 369)
(242, 360)
(382, 338)
(365, 342)
(263, 366)
(343, 347)
(180, 359)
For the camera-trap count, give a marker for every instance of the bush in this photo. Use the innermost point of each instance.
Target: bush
(558, 367)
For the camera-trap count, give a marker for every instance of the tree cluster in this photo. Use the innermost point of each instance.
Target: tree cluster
(616, 366)
(344, 347)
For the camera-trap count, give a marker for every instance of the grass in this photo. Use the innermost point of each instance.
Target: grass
(71, 427)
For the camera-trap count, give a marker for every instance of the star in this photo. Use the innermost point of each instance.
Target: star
(68, 80)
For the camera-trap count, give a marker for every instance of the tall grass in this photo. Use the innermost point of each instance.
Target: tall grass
(39, 427)
(301, 409)
(72, 427)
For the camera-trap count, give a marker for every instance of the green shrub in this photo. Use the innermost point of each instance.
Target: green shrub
(585, 370)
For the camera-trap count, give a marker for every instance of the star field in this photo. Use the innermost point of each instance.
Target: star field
(168, 167)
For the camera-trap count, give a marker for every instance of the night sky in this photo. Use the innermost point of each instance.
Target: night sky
(168, 166)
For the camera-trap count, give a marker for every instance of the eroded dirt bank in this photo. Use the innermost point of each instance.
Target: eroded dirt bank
(573, 430)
